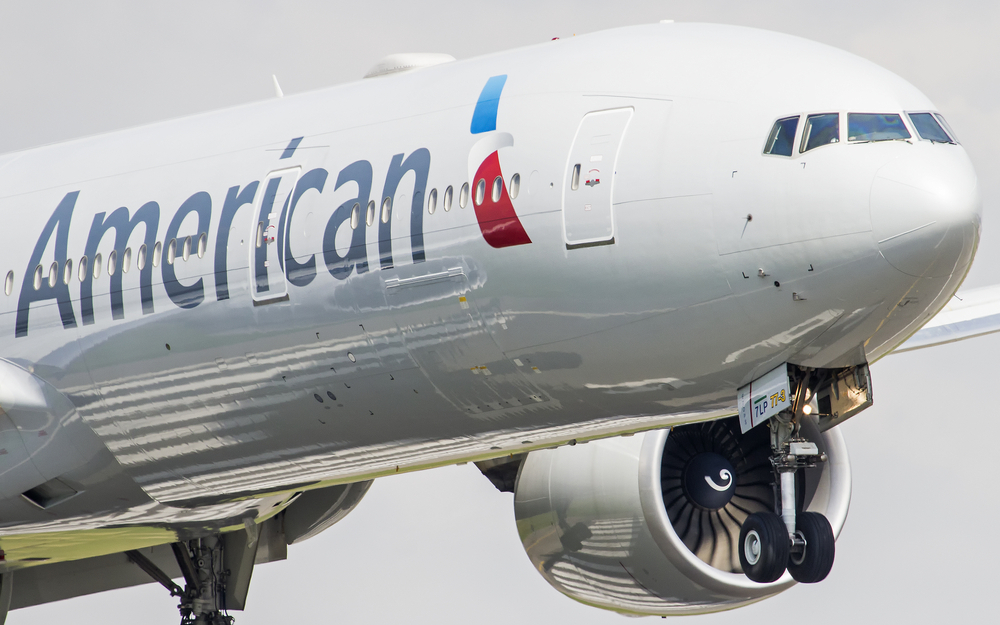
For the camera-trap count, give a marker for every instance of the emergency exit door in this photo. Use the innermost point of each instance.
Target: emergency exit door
(588, 215)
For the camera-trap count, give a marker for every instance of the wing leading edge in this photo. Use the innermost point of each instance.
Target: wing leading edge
(970, 314)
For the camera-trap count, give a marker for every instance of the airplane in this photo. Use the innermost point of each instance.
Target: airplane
(571, 264)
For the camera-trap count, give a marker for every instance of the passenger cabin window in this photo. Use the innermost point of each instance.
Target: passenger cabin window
(68, 271)
(864, 127)
(140, 259)
(928, 128)
(112, 262)
(515, 186)
(781, 141)
(432, 201)
(37, 281)
(355, 215)
(463, 196)
(370, 215)
(202, 244)
(53, 274)
(386, 209)
(97, 266)
(448, 194)
(81, 272)
(480, 191)
(126, 259)
(157, 254)
(820, 130)
(8, 283)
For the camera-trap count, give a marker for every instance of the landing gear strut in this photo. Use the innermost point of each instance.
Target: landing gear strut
(801, 542)
(216, 572)
(204, 599)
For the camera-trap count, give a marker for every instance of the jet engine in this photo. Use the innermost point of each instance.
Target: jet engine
(650, 524)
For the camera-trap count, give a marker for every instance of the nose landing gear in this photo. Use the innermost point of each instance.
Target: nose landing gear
(800, 542)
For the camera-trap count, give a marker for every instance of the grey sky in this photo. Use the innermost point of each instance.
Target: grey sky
(441, 546)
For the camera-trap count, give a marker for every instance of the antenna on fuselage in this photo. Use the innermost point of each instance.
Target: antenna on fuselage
(277, 87)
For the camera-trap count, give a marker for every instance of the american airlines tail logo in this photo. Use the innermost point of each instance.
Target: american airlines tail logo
(495, 213)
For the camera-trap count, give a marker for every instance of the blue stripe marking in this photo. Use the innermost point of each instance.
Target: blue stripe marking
(294, 143)
(484, 118)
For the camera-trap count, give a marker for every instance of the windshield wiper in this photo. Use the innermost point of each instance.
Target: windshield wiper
(881, 140)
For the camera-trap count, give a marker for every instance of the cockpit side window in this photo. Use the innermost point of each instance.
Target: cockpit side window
(864, 127)
(928, 128)
(820, 130)
(781, 141)
(947, 127)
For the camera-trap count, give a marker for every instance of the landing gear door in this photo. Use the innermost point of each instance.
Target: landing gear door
(588, 216)
(763, 398)
(849, 392)
(267, 274)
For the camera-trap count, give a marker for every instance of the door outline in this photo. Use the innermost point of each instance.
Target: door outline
(264, 232)
(573, 170)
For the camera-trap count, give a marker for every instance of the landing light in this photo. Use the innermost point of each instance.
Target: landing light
(807, 409)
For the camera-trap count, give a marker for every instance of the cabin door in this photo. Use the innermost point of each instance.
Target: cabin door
(588, 215)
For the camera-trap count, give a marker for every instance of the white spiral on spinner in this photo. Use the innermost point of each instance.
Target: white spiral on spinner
(726, 476)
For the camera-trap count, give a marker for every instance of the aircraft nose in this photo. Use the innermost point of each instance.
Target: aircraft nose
(926, 211)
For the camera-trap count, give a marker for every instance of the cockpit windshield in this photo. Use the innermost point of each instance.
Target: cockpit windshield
(820, 130)
(875, 127)
(929, 129)
(947, 128)
(782, 138)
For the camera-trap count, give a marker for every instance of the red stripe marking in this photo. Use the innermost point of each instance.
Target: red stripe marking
(498, 221)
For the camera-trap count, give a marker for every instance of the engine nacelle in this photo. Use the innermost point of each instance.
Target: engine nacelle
(618, 524)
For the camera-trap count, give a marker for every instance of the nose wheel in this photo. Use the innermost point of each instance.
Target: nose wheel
(764, 547)
(812, 563)
(767, 551)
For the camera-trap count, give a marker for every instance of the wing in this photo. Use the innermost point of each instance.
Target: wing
(970, 313)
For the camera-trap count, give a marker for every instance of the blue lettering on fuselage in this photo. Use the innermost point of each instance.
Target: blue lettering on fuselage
(57, 225)
(300, 274)
(124, 222)
(149, 216)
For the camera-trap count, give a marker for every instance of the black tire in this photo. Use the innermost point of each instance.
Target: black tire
(814, 564)
(763, 547)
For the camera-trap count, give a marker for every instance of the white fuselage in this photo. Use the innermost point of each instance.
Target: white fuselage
(424, 338)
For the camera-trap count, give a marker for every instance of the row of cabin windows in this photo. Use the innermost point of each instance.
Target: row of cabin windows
(142, 257)
(447, 201)
(496, 190)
